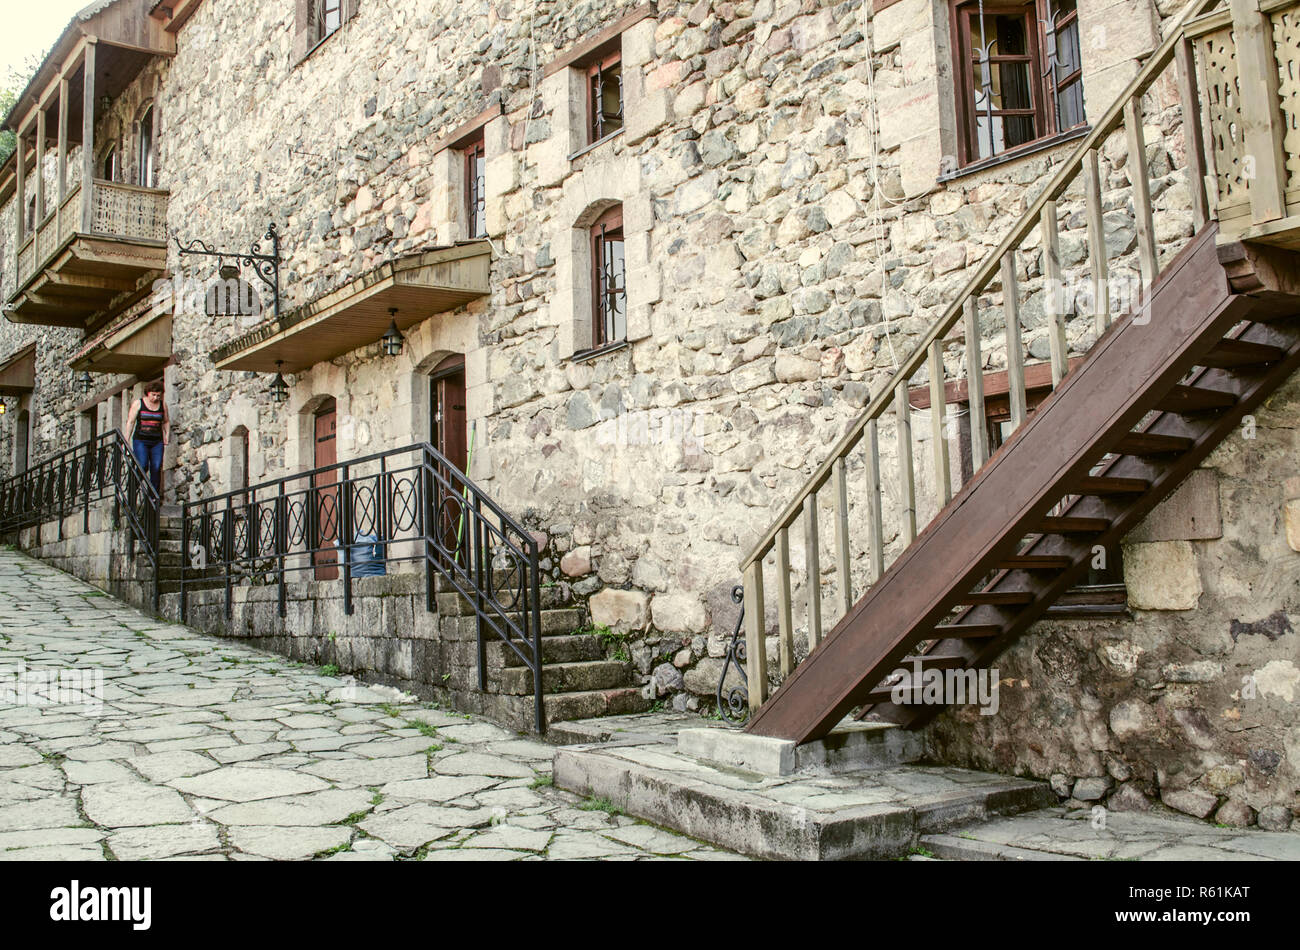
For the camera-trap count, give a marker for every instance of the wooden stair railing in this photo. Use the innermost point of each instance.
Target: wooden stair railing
(1122, 468)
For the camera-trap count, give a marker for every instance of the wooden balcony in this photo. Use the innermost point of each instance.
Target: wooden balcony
(80, 258)
(1248, 53)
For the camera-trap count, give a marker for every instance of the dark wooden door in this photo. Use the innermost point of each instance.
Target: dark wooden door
(326, 494)
(450, 437)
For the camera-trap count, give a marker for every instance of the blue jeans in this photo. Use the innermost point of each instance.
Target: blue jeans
(150, 457)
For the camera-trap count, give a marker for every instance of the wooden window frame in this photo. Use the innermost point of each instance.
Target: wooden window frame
(1042, 108)
(147, 172)
(609, 221)
(472, 153)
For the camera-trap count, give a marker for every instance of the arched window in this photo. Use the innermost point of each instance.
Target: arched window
(146, 156)
(238, 446)
(608, 279)
(110, 170)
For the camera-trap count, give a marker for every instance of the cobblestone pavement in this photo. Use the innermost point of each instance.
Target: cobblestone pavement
(206, 748)
(1057, 834)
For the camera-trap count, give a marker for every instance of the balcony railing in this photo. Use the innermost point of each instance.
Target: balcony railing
(127, 212)
(1249, 57)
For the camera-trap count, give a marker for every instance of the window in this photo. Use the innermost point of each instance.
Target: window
(326, 18)
(608, 282)
(145, 166)
(109, 170)
(605, 97)
(1018, 74)
(475, 200)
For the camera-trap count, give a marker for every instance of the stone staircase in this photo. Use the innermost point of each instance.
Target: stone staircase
(580, 678)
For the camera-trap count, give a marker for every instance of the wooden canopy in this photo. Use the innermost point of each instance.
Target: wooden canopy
(18, 372)
(357, 314)
(138, 345)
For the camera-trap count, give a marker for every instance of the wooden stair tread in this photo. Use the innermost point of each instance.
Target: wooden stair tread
(1035, 562)
(998, 597)
(1229, 353)
(1150, 443)
(1186, 399)
(965, 631)
(1073, 525)
(932, 661)
(1109, 485)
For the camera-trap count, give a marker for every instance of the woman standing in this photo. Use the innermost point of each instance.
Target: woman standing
(149, 429)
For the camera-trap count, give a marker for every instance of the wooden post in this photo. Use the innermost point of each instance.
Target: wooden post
(1015, 353)
(88, 139)
(20, 194)
(40, 171)
(843, 557)
(1193, 140)
(63, 154)
(755, 642)
(784, 613)
(906, 478)
(1137, 173)
(1097, 261)
(812, 555)
(1260, 118)
(938, 425)
(876, 545)
(1053, 291)
(979, 438)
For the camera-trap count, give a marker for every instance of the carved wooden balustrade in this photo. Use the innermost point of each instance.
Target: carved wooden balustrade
(117, 211)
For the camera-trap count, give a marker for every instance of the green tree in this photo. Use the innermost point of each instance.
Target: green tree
(10, 89)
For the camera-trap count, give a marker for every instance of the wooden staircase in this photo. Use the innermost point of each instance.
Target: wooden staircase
(1215, 331)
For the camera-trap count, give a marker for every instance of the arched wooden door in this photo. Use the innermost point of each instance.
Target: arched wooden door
(448, 432)
(325, 507)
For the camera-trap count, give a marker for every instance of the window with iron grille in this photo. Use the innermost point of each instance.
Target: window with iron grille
(604, 97)
(475, 179)
(1018, 74)
(327, 17)
(609, 279)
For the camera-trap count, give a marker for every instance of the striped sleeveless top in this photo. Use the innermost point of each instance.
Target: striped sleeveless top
(149, 423)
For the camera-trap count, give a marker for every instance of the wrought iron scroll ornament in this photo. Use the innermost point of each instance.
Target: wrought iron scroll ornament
(733, 705)
(265, 265)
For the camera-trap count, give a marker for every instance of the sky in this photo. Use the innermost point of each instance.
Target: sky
(31, 26)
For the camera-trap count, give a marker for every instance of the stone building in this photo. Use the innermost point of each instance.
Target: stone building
(648, 262)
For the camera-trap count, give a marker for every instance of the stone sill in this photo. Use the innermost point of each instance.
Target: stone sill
(583, 356)
(596, 144)
(1030, 148)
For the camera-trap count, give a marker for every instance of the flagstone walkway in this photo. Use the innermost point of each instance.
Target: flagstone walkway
(165, 743)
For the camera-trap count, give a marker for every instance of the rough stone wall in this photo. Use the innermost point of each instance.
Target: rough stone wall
(1194, 705)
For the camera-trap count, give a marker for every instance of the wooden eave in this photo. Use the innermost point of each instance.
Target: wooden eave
(139, 344)
(357, 314)
(18, 372)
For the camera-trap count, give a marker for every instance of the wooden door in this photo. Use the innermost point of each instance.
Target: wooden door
(326, 494)
(450, 437)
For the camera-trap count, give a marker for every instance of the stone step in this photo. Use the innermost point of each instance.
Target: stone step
(459, 620)
(451, 603)
(589, 705)
(581, 677)
(556, 649)
(957, 848)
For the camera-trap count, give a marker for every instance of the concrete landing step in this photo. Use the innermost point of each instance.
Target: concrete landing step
(877, 813)
(956, 848)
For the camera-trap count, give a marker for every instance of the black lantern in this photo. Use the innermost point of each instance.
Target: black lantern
(85, 381)
(279, 388)
(228, 271)
(392, 339)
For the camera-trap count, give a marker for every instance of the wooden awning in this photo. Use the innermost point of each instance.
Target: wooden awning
(139, 344)
(356, 315)
(18, 372)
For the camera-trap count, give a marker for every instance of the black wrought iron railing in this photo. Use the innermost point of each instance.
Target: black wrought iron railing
(63, 485)
(372, 515)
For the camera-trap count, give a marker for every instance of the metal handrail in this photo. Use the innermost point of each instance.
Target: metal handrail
(69, 481)
(410, 505)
